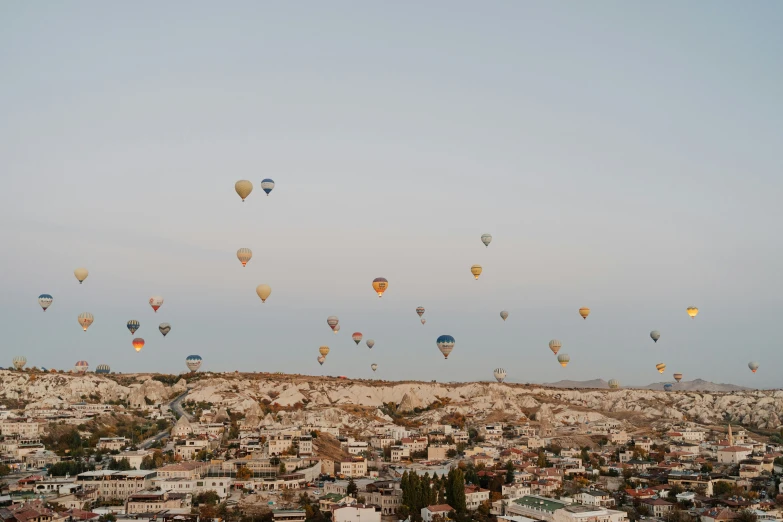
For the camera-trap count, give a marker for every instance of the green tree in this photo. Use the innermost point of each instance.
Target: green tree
(4, 470)
(352, 488)
(120, 465)
(746, 515)
(509, 472)
(456, 496)
(281, 469)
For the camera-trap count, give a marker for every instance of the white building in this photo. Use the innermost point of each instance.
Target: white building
(580, 513)
(437, 512)
(356, 513)
(733, 454)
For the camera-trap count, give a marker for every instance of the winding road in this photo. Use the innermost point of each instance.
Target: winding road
(176, 407)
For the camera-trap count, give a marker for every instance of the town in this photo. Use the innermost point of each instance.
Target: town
(159, 451)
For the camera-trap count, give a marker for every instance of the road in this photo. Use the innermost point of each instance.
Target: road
(176, 407)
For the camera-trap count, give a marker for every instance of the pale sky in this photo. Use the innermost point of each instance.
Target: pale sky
(625, 156)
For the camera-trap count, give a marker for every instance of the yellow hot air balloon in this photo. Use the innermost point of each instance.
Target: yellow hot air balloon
(693, 311)
(263, 292)
(563, 359)
(138, 344)
(323, 350)
(243, 188)
(660, 367)
(81, 274)
(85, 319)
(476, 271)
(584, 312)
(380, 285)
(244, 255)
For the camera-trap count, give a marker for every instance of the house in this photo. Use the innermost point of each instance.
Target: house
(581, 513)
(718, 514)
(182, 429)
(188, 449)
(438, 451)
(482, 459)
(399, 452)
(656, 506)
(386, 494)
(353, 467)
(474, 496)
(357, 513)
(733, 454)
(134, 458)
(437, 512)
(594, 497)
(289, 515)
(116, 484)
(415, 444)
(112, 443)
(149, 501)
(536, 507)
(186, 470)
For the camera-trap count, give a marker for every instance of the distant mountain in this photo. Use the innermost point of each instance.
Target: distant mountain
(696, 385)
(594, 383)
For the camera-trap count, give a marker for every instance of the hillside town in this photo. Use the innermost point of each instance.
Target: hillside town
(165, 449)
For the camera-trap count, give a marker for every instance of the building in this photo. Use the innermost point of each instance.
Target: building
(355, 467)
(220, 485)
(415, 444)
(581, 513)
(357, 513)
(112, 443)
(733, 454)
(279, 445)
(23, 428)
(534, 506)
(386, 494)
(182, 429)
(398, 453)
(116, 484)
(41, 459)
(289, 515)
(190, 447)
(657, 506)
(305, 445)
(151, 501)
(187, 470)
(437, 512)
(134, 458)
(594, 497)
(437, 452)
(474, 496)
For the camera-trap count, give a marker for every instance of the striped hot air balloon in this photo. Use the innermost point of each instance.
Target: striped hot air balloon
(357, 337)
(45, 300)
(500, 374)
(133, 325)
(555, 346)
(102, 369)
(614, 384)
(193, 362)
(19, 361)
(380, 285)
(660, 367)
(81, 367)
(244, 255)
(563, 359)
(445, 345)
(85, 319)
(138, 344)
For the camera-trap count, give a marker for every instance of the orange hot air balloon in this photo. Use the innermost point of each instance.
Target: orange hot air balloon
(660, 367)
(584, 312)
(380, 285)
(138, 344)
(323, 350)
(476, 271)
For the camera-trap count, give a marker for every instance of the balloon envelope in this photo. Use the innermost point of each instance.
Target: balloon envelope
(660, 367)
(332, 321)
(45, 300)
(692, 311)
(555, 346)
(19, 361)
(370, 343)
(132, 325)
(164, 328)
(380, 285)
(445, 345)
(244, 255)
(476, 271)
(81, 366)
(423, 321)
(357, 337)
(678, 377)
(504, 315)
(614, 384)
(753, 365)
(563, 359)
(323, 350)
(102, 369)
(156, 302)
(193, 362)
(655, 335)
(85, 319)
(668, 387)
(138, 344)
(267, 185)
(374, 366)
(321, 360)
(81, 274)
(584, 312)
(243, 188)
(500, 374)
(420, 310)
(486, 239)
(263, 292)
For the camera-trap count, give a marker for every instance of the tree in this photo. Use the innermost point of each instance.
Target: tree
(281, 469)
(243, 473)
(721, 488)
(120, 465)
(675, 490)
(541, 459)
(287, 495)
(352, 488)
(746, 515)
(509, 472)
(456, 495)
(4, 470)
(207, 512)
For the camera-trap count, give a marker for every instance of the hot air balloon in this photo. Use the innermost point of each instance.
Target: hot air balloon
(614, 384)
(486, 239)
(504, 315)
(584, 312)
(660, 367)
(85, 319)
(655, 335)
(263, 292)
(102, 369)
(332, 321)
(678, 377)
(423, 321)
(323, 350)
(267, 185)
(337, 329)
(668, 387)
(445, 345)
(357, 337)
(243, 188)
(164, 328)
(81, 274)
(476, 271)
(500, 373)
(133, 325)
(374, 366)
(370, 343)
(138, 344)
(693, 311)
(321, 360)
(563, 359)
(380, 285)
(555, 345)
(45, 300)
(244, 255)
(753, 365)
(193, 362)
(155, 302)
(19, 362)
(81, 367)
(420, 310)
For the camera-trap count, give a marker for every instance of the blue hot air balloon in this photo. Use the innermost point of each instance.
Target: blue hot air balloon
(445, 345)
(668, 387)
(45, 300)
(133, 325)
(193, 362)
(267, 185)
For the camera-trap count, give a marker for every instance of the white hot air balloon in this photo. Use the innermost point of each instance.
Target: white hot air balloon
(374, 366)
(500, 374)
(45, 300)
(19, 362)
(486, 239)
(504, 315)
